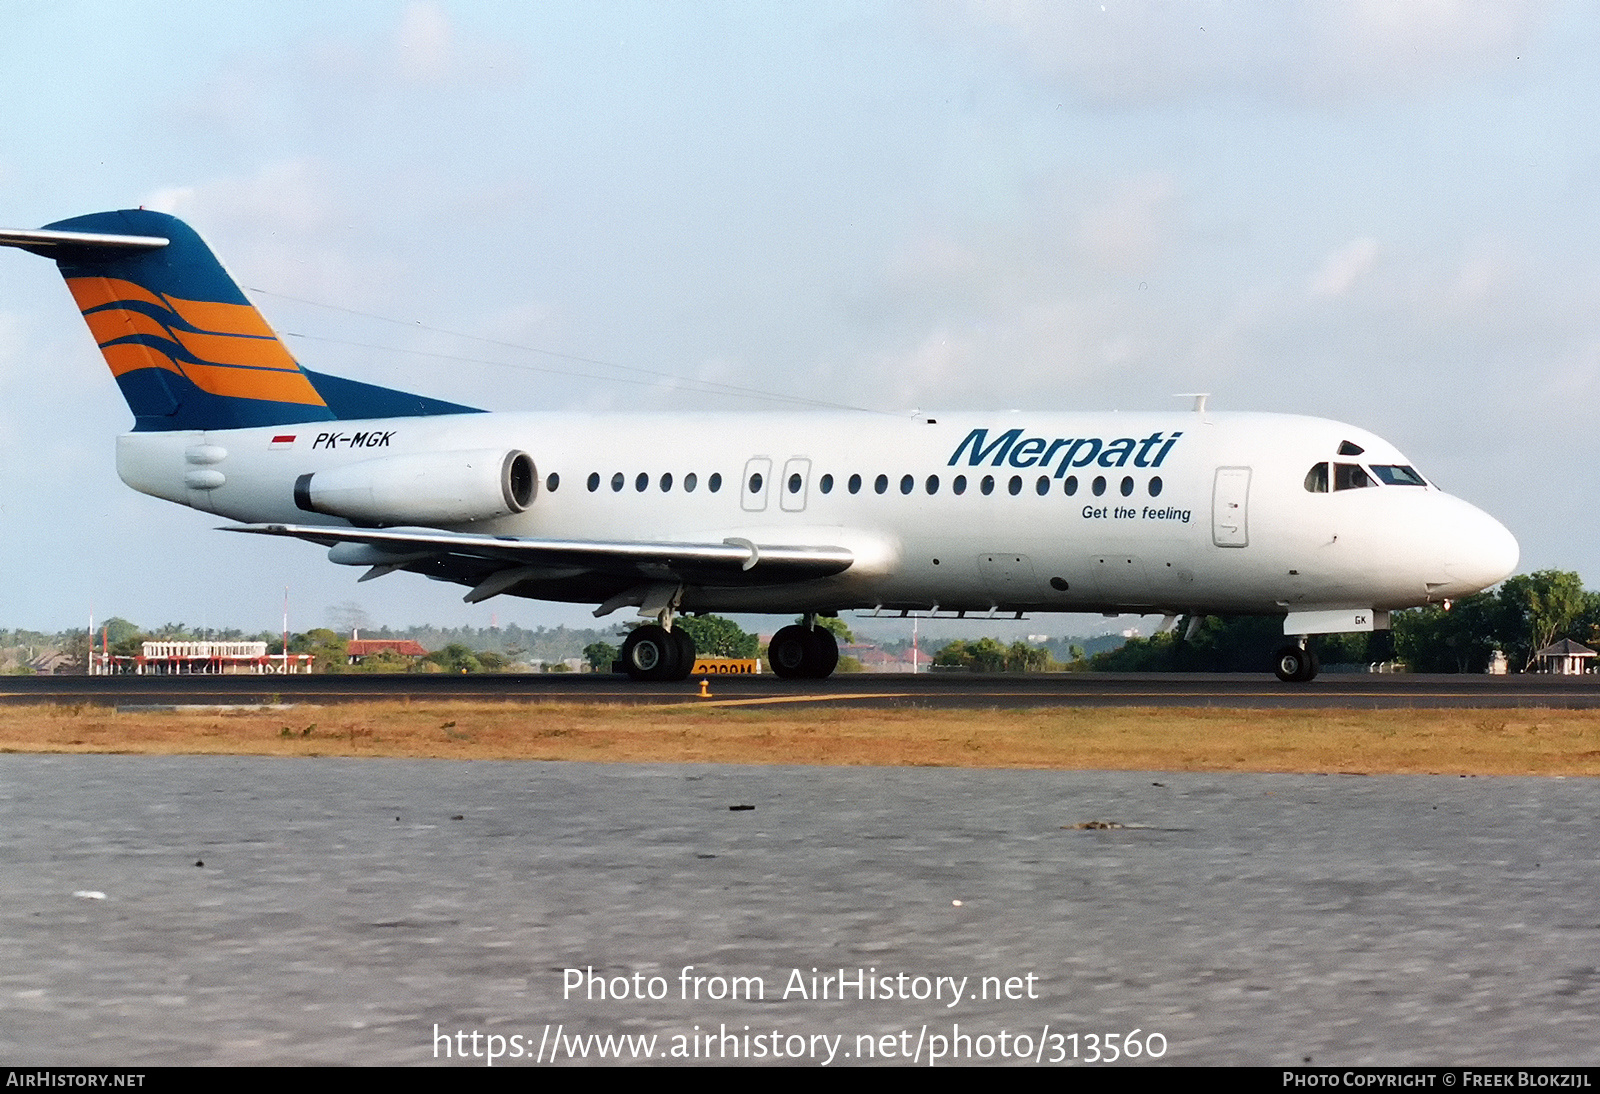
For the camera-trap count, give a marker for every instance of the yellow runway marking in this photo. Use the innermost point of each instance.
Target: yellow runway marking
(800, 699)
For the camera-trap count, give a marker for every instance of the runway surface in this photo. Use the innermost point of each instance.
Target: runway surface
(934, 690)
(187, 910)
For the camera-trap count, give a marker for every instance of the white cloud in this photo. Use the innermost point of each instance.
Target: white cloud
(425, 45)
(1344, 267)
(292, 194)
(1145, 50)
(1130, 231)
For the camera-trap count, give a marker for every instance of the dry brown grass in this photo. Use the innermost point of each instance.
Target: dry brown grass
(1480, 742)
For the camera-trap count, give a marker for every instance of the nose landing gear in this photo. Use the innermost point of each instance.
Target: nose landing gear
(1295, 664)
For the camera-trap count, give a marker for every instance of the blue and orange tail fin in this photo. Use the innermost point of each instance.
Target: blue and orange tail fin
(188, 350)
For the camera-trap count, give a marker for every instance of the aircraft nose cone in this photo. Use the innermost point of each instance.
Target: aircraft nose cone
(1482, 551)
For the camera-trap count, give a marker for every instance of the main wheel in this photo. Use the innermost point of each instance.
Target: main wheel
(1294, 665)
(686, 652)
(789, 651)
(803, 653)
(825, 652)
(651, 653)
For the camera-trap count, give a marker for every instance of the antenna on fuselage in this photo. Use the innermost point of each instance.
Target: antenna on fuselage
(1199, 398)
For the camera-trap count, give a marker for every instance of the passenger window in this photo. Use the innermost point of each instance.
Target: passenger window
(666, 481)
(1155, 486)
(714, 483)
(826, 485)
(794, 483)
(1350, 476)
(594, 481)
(1071, 485)
(1127, 486)
(1099, 485)
(1397, 474)
(641, 482)
(1015, 485)
(907, 484)
(690, 481)
(1317, 479)
(959, 484)
(617, 481)
(987, 486)
(855, 484)
(552, 481)
(755, 483)
(1043, 485)
(932, 484)
(881, 483)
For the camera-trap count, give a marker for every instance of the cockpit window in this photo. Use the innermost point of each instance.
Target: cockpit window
(1317, 479)
(1350, 476)
(1350, 448)
(1397, 474)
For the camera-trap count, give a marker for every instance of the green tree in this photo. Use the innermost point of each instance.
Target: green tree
(384, 661)
(834, 626)
(715, 636)
(980, 655)
(121, 638)
(1022, 657)
(1430, 639)
(600, 656)
(330, 652)
(1537, 609)
(456, 658)
(117, 629)
(76, 648)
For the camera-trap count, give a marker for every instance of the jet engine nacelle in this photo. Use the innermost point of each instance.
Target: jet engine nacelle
(425, 488)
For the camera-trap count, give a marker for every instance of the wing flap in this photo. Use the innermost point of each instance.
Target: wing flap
(731, 562)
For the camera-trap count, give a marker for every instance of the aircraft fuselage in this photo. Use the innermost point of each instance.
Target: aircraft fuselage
(1061, 512)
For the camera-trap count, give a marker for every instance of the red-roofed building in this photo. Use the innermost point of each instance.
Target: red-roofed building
(361, 648)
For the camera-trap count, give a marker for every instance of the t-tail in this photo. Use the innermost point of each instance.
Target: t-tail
(188, 350)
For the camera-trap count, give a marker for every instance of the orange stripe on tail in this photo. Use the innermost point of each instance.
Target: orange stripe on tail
(251, 383)
(217, 318)
(96, 292)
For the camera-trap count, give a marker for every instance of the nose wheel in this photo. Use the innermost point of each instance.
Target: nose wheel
(1295, 664)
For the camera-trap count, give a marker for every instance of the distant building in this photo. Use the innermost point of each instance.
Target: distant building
(1565, 658)
(192, 658)
(359, 649)
(55, 663)
(874, 659)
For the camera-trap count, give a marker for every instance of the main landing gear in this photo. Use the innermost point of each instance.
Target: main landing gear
(1295, 664)
(652, 652)
(804, 651)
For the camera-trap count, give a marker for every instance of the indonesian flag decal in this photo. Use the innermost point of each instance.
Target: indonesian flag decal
(282, 440)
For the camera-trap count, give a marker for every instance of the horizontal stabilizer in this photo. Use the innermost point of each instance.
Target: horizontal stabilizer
(50, 244)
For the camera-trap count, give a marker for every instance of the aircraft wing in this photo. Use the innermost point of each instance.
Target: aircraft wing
(496, 564)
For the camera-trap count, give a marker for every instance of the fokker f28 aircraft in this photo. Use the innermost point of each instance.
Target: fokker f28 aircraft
(812, 513)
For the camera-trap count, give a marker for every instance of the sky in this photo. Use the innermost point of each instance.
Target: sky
(1373, 212)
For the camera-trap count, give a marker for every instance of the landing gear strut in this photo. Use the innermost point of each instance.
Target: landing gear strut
(804, 652)
(1295, 664)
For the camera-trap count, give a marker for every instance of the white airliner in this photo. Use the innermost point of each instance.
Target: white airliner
(1190, 512)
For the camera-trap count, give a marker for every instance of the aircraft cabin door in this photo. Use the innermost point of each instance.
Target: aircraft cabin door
(1230, 516)
(753, 491)
(796, 482)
